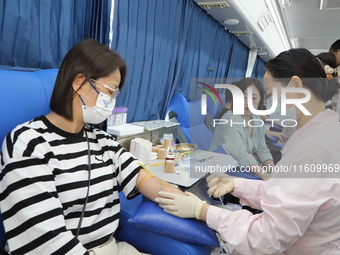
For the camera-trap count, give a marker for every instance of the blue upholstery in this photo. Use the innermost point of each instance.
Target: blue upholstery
(215, 109)
(191, 120)
(152, 217)
(25, 95)
(157, 244)
(212, 107)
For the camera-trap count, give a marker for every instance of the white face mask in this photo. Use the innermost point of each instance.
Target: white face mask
(101, 111)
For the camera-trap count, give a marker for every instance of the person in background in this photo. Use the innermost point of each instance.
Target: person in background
(228, 102)
(244, 143)
(328, 62)
(301, 209)
(275, 150)
(335, 49)
(60, 177)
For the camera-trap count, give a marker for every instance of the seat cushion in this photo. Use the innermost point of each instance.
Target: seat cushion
(148, 241)
(152, 217)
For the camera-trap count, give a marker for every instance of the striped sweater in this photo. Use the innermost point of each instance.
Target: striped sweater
(44, 182)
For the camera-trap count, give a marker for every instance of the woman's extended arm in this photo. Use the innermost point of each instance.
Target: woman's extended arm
(152, 185)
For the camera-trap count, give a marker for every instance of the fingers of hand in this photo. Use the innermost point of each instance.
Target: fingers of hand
(210, 177)
(215, 191)
(168, 207)
(219, 193)
(164, 201)
(213, 182)
(171, 212)
(191, 195)
(211, 190)
(167, 194)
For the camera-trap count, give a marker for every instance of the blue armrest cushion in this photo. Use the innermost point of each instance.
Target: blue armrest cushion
(150, 216)
(273, 138)
(148, 241)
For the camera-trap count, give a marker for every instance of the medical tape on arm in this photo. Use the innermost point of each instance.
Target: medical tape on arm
(149, 174)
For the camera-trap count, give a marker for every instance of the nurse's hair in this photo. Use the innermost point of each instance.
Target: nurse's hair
(327, 58)
(89, 58)
(302, 63)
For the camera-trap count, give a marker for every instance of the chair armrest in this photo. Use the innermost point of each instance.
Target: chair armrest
(148, 241)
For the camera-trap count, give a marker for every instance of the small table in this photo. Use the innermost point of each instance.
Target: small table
(153, 130)
(200, 163)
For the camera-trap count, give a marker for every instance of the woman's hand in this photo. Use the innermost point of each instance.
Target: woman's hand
(282, 137)
(279, 135)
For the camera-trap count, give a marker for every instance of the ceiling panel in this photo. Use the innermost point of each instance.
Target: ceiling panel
(306, 25)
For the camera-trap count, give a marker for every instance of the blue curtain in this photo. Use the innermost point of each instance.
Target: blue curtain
(165, 43)
(239, 61)
(207, 54)
(259, 68)
(144, 36)
(38, 33)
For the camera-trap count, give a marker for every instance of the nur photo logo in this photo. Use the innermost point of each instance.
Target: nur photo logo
(204, 97)
(239, 103)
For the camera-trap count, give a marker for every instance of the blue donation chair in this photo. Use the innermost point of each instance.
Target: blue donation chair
(25, 95)
(191, 120)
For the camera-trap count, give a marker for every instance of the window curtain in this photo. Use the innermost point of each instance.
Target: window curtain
(38, 33)
(147, 36)
(165, 43)
(207, 55)
(238, 62)
(259, 68)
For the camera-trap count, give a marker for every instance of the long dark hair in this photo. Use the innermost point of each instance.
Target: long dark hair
(304, 64)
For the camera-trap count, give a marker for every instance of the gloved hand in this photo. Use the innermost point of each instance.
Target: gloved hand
(220, 184)
(180, 205)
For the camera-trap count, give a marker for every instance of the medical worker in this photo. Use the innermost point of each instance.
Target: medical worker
(301, 201)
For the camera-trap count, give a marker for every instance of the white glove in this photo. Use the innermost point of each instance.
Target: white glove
(180, 205)
(220, 184)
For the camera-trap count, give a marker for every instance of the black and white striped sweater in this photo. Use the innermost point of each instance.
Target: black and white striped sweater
(43, 185)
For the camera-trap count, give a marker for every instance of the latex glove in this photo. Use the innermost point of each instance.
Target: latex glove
(180, 205)
(220, 184)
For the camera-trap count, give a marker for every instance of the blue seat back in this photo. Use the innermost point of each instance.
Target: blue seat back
(191, 120)
(220, 107)
(23, 96)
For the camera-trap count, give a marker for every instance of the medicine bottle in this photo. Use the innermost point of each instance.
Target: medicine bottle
(170, 159)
